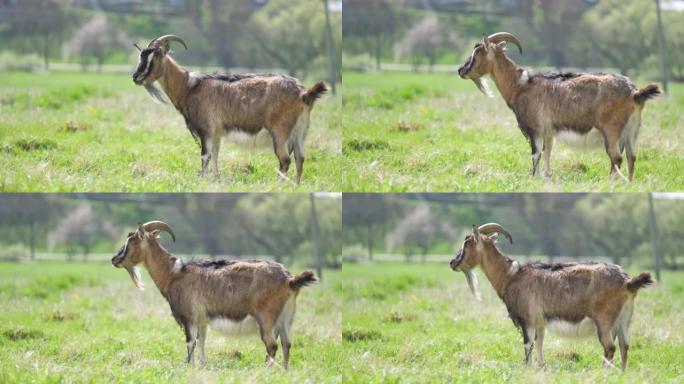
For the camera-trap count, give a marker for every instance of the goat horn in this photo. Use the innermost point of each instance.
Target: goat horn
(165, 39)
(505, 36)
(162, 226)
(494, 227)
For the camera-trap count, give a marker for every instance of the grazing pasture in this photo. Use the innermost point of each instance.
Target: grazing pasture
(76, 322)
(437, 132)
(66, 131)
(420, 323)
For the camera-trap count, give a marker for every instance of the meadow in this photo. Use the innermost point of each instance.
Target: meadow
(419, 323)
(437, 132)
(67, 131)
(78, 322)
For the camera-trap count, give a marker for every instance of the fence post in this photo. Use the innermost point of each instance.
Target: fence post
(654, 236)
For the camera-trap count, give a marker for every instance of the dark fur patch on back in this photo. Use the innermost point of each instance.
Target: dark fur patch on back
(233, 77)
(550, 266)
(557, 76)
(219, 263)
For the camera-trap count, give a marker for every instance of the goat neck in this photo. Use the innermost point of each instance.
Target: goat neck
(497, 268)
(159, 264)
(506, 76)
(174, 81)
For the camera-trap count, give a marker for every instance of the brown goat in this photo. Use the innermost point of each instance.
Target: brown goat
(204, 292)
(215, 105)
(548, 103)
(570, 297)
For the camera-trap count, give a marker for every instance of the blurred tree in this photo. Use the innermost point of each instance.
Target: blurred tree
(421, 229)
(82, 227)
(362, 214)
(615, 224)
(292, 33)
(427, 39)
(95, 39)
(622, 32)
(375, 21)
(27, 216)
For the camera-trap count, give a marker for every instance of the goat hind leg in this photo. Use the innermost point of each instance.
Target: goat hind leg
(268, 337)
(281, 151)
(606, 338)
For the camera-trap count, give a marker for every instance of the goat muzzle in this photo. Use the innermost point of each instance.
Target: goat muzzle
(456, 261)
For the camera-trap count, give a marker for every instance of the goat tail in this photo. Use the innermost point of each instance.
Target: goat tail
(648, 92)
(312, 94)
(640, 281)
(304, 279)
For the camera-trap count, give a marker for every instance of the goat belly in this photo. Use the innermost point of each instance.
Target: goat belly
(246, 326)
(583, 328)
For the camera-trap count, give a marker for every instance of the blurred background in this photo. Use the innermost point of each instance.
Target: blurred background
(299, 37)
(437, 35)
(645, 230)
(294, 229)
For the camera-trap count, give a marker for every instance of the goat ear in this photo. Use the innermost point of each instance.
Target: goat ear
(154, 234)
(140, 232)
(476, 234)
(502, 45)
(494, 237)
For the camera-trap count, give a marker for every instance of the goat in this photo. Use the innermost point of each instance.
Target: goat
(548, 103)
(214, 105)
(574, 296)
(204, 292)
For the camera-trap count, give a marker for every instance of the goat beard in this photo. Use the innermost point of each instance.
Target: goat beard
(471, 278)
(482, 85)
(134, 273)
(154, 92)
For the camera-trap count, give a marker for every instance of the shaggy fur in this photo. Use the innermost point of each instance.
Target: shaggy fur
(202, 292)
(539, 294)
(214, 105)
(548, 103)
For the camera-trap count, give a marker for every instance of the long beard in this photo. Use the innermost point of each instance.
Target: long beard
(482, 85)
(156, 94)
(471, 278)
(134, 273)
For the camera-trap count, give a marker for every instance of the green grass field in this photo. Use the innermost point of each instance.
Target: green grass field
(99, 132)
(437, 132)
(419, 323)
(76, 322)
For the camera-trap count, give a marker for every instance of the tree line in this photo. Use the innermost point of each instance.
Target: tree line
(286, 34)
(275, 225)
(544, 226)
(618, 34)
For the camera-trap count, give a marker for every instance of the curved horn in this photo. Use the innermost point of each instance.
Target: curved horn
(505, 36)
(165, 40)
(494, 227)
(160, 225)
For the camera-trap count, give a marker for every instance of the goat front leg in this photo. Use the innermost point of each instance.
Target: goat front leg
(215, 146)
(536, 143)
(202, 339)
(204, 155)
(190, 340)
(539, 341)
(528, 336)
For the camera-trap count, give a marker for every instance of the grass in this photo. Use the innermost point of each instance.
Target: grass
(92, 132)
(426, 327)
(89, 324)
(437, 132)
